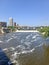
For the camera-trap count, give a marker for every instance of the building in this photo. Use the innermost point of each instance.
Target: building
(3, 24)
(14, 23)
(26, 28)
(10, 21)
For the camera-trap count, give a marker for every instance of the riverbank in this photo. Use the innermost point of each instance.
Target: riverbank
(44, 31)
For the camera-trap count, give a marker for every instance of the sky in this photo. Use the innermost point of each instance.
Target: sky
(25, 12)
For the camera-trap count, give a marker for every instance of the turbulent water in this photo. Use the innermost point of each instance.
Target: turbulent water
(24, 48)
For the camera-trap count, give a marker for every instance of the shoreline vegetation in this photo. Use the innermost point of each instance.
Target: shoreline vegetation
(44, 31)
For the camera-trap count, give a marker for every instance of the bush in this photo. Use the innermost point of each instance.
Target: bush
(46, 30)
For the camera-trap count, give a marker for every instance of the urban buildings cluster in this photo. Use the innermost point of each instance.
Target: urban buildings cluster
(11, 23)
(12, 26)
(5, 28)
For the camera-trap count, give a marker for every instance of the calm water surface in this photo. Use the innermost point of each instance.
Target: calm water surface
(25, 48)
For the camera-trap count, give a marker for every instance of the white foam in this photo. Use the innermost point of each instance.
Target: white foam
(13, 36)
(12, 48)
(34, 36)
(27, 43)
(32, 41)
(21, 47)
(9, 39)
(18, 46)
(14, 61)
(39, 45)
(14, 54)
(9, 63)
(35, 40)
(22, 52)
(5, 49)
(1, 41)
(32, 50)
(28, 51)
(28, 36)
(22, 40)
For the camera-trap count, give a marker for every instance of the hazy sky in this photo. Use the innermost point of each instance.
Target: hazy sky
(25, 12)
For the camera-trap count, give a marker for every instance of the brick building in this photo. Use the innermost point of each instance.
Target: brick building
(3, 24)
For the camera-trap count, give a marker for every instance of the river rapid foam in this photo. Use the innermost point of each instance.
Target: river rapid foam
(20, 43)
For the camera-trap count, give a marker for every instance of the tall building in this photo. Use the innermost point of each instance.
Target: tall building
(3, 24)
(14, 23)
(10, 21)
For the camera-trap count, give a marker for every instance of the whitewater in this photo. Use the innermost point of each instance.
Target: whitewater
(17, 43)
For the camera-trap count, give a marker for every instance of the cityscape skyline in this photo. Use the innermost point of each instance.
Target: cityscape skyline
(11, 22)
(25, 12)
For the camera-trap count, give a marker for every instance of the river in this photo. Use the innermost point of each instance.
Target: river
(24, 48)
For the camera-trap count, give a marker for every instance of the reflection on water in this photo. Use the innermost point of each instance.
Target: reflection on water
(25, 49)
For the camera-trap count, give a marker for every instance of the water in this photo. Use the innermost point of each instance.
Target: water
(25, 48)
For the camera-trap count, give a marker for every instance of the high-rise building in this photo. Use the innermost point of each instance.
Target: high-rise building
(10, 21)
(14, 23)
